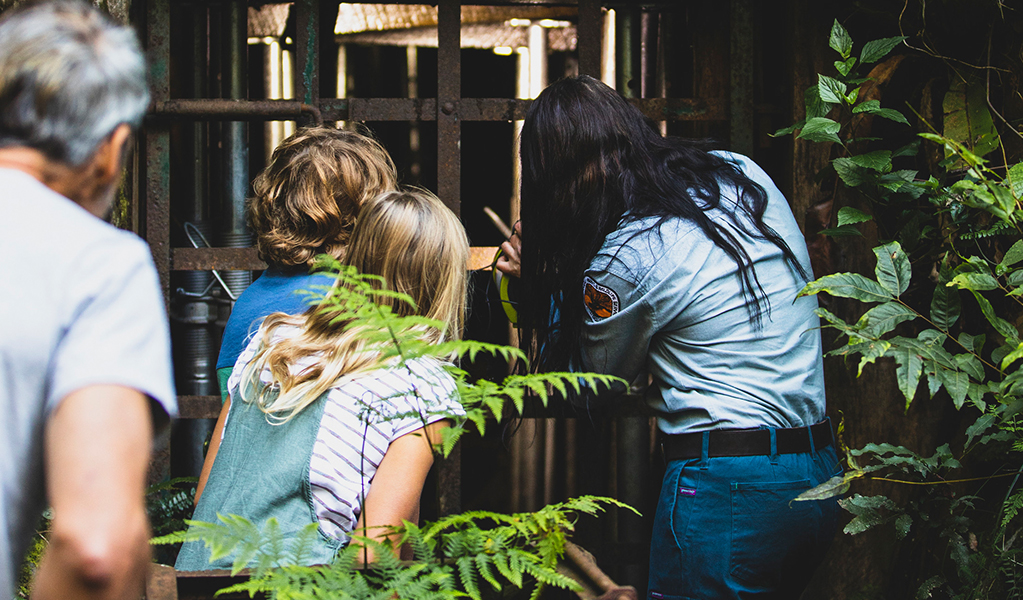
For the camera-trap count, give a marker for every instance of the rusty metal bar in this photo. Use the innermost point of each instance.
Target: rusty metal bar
(206, 259)
(161, 583)
(590, 31)
(449, 96)
(157, 142)
(409, 109)
(157, 181)
(199, 407)
(225, 109)
(307, 58)
(379, 109)
(247, 259)
(741, 73)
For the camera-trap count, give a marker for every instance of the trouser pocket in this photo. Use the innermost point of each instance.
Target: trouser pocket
(772, 535)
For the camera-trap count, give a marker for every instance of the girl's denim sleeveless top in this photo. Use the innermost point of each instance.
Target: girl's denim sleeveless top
(262, 471)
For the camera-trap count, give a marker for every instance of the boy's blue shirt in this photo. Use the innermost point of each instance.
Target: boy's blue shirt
(276, 290)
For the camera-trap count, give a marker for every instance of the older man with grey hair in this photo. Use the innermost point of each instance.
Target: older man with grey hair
(85, 372)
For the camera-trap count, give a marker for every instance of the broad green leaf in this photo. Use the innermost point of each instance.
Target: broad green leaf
(867, 106)
(844, 66)
(893, 269)
(836, 486)
(974, 282)
(842, 231)
(982, 424)
(873, 107)
(831, 90)
(902, 525)
(868, 351)
(815, 107)
(899, 181)
(875, 50)
(891, 114)
(849, 285)
(971, 365)
(910, 149)
(957, 383)
(840, 41)
(946, 307)
(968, 120)
(867, 511)
(820, 129)
(883, 318)
(1012, 357)
(789, 129)
(1013, 255)
(852, 174)
(848, 215)
(976, 395)
(909, 367)
(1015, 179)
(1004, 199)
(1002, 326)
(878, 160)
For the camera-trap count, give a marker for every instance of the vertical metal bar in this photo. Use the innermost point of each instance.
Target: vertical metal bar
(192, 335)
(627, 52)
(233, 230)
(307, 59)
(590, 30)
(449, 177)
(158, 142)
(449, 92)
(647, 52)
(741, 88)
(157, 178)
(710, 59)
(663, 56)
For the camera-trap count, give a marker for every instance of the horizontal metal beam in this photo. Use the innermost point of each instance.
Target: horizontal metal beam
(504, 109)
(247, 259)
(207, 259)
(222, 109)
(408, 109)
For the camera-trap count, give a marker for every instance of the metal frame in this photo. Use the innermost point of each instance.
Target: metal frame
(448, 110)
(314, 20)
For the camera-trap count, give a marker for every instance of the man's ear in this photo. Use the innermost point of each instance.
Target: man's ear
(107, 161)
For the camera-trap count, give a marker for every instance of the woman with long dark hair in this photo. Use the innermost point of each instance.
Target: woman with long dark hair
(648, 254)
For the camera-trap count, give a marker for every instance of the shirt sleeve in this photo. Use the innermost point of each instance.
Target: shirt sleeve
(251, 347)
(617, 328)
(433, 397)
(118, 334)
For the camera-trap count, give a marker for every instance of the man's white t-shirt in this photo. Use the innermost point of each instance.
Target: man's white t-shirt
(80, 306)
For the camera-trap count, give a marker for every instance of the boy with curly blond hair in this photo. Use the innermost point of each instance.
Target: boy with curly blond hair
(305, 204)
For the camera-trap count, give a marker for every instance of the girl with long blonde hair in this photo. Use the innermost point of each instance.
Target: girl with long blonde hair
(322, 427)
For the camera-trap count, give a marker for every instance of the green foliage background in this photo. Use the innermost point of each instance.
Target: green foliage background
(943, 304)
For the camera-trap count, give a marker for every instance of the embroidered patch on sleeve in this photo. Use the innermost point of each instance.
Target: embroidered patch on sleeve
(601, 301)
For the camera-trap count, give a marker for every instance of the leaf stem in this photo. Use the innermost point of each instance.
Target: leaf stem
(946, 481)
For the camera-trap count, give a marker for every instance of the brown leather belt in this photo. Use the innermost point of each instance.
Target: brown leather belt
(747, 442)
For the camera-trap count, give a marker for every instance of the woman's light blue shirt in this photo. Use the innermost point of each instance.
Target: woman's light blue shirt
(672, 304)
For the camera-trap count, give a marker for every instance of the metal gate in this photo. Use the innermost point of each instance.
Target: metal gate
(721, 101)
